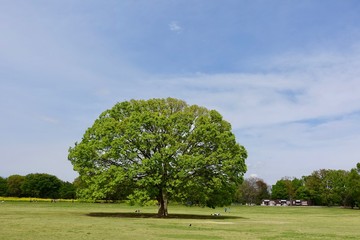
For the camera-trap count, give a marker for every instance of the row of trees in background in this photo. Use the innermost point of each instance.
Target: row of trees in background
(36, 185)
(322, 188)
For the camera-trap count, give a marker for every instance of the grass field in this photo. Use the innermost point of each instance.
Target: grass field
(65, 220)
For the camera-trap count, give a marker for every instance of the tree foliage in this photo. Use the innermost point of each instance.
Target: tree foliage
(353, 187)
(323, 187)
(41, 185)
(14, 185)
(327, 187)
(67, 191)
(280, 189)
(252, 191)
(160, 149)
(289, 188)
(3, 186)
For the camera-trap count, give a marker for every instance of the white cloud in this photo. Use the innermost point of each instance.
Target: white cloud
(175, 27)
(259, 99)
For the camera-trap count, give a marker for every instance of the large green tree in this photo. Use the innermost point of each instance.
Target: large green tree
(160, 149)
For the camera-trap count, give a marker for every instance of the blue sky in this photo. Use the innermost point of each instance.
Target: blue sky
(284, 73)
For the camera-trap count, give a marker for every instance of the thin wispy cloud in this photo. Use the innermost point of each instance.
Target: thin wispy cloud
(280, 97)
(174, 26)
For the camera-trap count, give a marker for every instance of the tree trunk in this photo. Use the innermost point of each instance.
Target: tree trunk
(163, 203)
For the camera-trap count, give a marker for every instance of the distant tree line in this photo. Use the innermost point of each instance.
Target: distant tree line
(323, 187)
(36, 185)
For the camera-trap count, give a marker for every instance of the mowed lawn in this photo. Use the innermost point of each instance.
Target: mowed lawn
(25, 220)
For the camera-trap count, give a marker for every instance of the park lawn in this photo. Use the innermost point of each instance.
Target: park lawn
(72, 221)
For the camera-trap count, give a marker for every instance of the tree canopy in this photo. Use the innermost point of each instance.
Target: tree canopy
(14, 183)
(160, 149)
(41, 185)
(252, 191)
